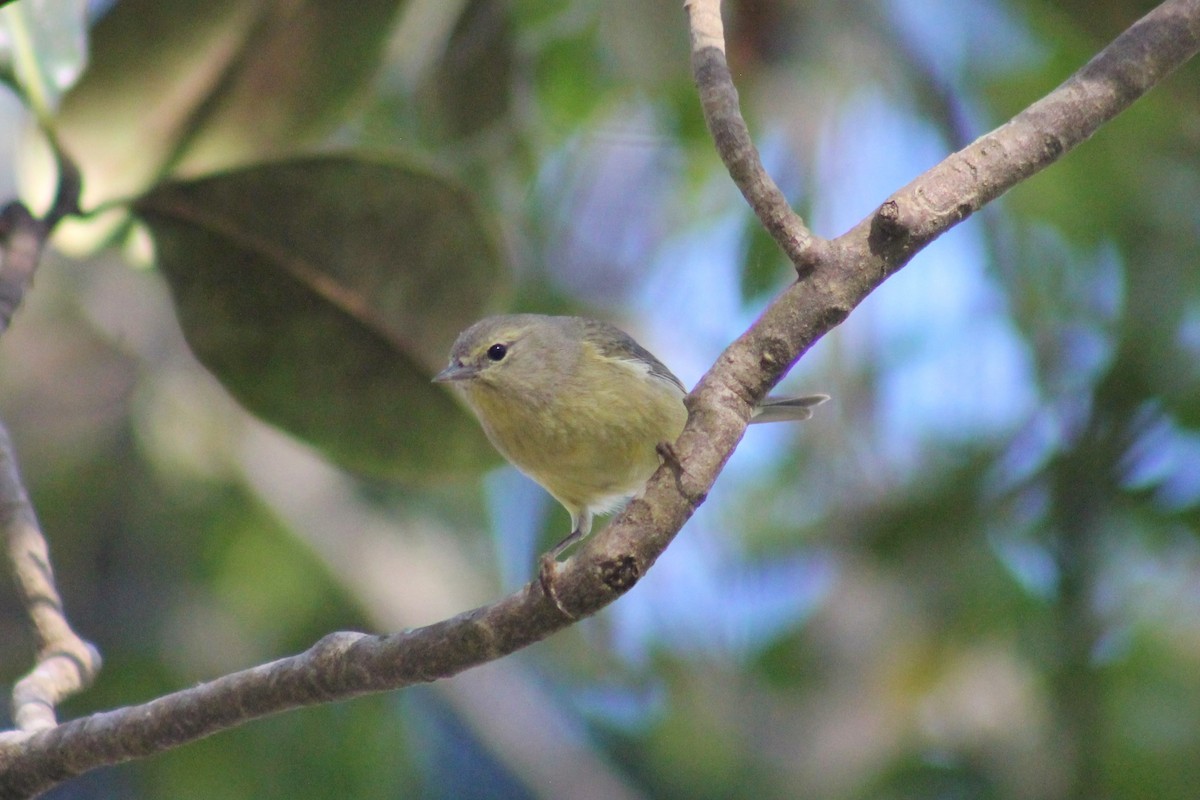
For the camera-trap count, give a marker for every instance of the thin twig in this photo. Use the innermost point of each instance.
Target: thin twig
(22, 237)
(65, 662)
(70, 184)
(719, 99)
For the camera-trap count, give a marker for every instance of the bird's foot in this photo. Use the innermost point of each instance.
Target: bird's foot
(547, 573)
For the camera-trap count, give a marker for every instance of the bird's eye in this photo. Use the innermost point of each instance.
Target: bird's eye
(497, 352)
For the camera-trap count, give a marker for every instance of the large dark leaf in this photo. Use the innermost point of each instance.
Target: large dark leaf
(325, 292)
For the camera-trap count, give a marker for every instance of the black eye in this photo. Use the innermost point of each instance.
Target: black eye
(497, 352)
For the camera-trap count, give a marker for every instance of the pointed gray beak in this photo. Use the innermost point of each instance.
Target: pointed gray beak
(455, 372)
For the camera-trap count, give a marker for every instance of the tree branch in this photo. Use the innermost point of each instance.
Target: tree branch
(839, 275)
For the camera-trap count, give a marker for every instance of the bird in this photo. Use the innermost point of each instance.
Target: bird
(579, 406)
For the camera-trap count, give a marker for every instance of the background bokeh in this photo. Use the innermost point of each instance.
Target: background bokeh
(975, 574)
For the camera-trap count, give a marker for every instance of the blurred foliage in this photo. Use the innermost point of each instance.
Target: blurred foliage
(976, 574)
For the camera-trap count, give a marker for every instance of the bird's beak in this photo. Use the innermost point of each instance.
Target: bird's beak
(455, 372)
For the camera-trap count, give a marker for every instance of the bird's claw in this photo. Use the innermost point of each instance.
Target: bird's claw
(547, 572)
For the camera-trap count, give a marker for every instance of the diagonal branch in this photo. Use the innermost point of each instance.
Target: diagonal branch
(847, 269)
(843, 272)
(960, 185)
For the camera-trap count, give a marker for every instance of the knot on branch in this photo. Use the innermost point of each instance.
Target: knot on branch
(774, 356)
(887, 227)
(1052, 147)
(620, 574)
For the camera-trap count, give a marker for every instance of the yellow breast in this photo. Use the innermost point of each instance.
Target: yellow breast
(594, 441)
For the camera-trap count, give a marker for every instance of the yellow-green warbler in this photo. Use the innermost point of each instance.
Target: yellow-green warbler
(578, 406)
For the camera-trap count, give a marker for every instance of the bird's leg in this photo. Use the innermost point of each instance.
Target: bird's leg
(666, 451)
(574, 536)
(548, 567)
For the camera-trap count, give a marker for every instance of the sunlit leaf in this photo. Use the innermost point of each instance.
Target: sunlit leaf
(325, 292)
(186, 87)
(43, 48)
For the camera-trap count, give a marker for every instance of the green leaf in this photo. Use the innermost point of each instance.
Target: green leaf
(325, 292)
(185, 86)
(43, 48)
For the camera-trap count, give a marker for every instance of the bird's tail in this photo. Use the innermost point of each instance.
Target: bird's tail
(787, 409)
